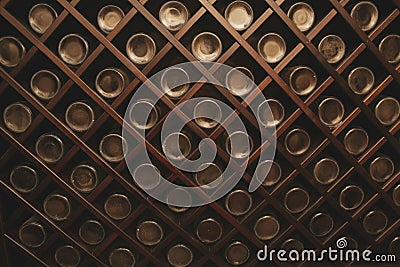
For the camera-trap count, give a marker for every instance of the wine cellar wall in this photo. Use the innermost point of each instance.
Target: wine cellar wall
(329, 72)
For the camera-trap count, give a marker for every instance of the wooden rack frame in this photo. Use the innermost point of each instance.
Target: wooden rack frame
(154, 256)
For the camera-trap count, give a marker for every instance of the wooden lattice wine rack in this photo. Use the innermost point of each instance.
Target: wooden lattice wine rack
(238, 49)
